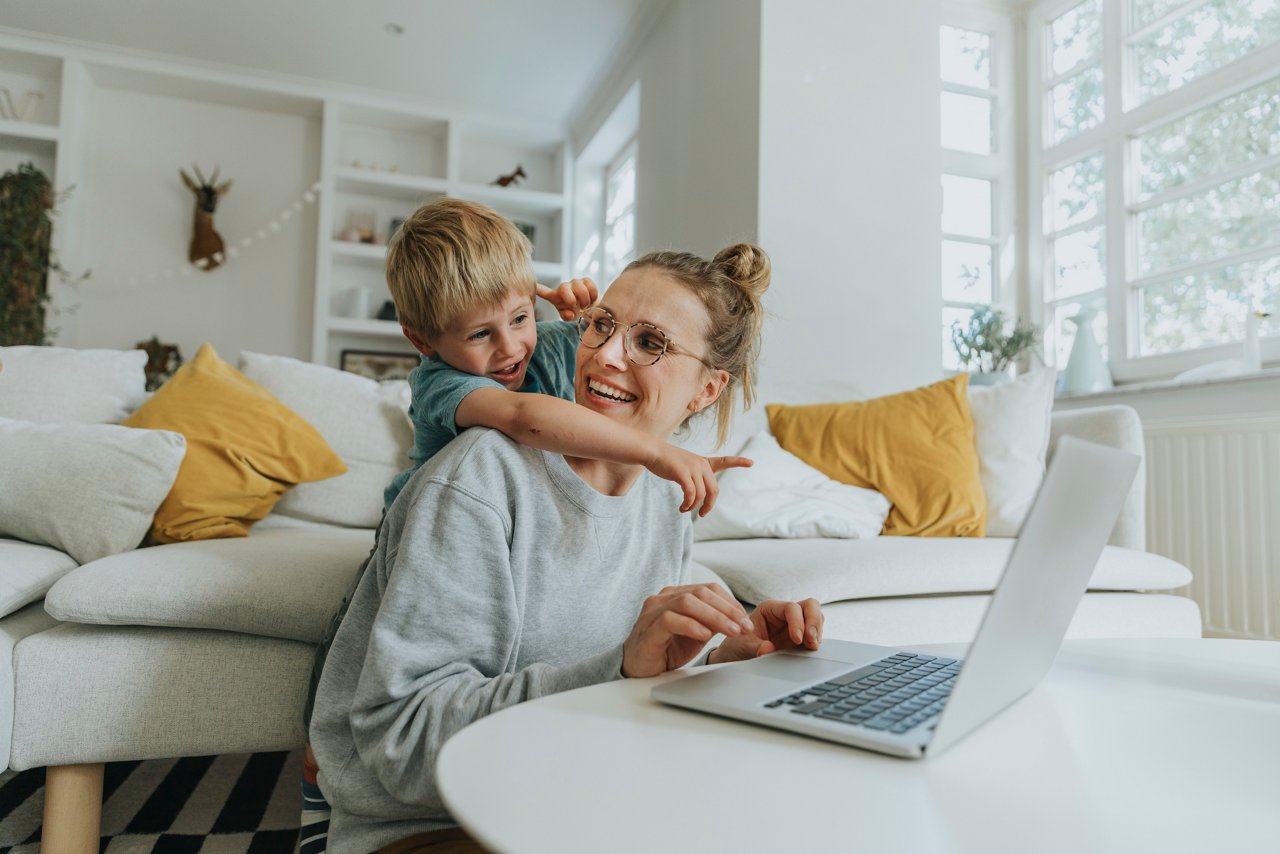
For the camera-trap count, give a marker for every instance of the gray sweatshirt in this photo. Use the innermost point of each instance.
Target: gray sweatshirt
(499, 576)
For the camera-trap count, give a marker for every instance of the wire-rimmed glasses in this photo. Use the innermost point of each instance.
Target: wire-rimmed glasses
(643, 342)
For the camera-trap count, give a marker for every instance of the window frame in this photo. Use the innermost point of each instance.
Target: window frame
(1000, 167)
(1124, 120)
(629, 150)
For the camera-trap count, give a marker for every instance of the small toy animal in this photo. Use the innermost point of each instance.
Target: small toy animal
(163, 361)
(513, 178)
(207, 250)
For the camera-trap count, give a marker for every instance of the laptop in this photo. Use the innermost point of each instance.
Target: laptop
(914, 705)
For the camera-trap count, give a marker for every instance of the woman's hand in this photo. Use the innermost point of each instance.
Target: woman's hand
(775, 625)
(694, 474)
(571, 297)
(676, 623)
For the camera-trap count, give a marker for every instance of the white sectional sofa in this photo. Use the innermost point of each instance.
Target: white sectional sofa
(205, 647)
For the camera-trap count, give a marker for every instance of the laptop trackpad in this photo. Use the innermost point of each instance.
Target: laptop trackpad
(794, 668)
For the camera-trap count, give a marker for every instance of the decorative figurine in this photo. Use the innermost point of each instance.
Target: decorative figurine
(513, 178)
(163, 361)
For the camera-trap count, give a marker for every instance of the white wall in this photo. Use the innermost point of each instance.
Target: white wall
(811, 126)
(136, 219)
(849, 196)
(698, 71)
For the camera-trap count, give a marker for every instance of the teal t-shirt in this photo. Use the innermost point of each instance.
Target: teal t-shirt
(437, 389)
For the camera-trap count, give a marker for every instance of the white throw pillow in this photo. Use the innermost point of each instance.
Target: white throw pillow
(90, 490)
(365, 422)
(1011, 431)
(782, 496)
(52, 385)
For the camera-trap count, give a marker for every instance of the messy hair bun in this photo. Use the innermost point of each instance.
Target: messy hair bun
(729, 287)
(747, 265)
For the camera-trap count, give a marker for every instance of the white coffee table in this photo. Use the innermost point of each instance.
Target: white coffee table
(1127, 746)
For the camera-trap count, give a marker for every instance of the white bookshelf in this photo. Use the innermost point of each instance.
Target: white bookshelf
(380, 163)
(31, 138)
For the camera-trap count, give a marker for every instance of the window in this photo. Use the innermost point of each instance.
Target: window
(620, 213)
(1158, 177)
(603, 234)
(977, 180)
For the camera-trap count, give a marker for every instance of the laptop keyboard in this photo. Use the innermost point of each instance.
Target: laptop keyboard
(895, 694)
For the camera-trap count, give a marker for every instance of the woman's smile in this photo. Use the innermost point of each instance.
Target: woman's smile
(600, 389)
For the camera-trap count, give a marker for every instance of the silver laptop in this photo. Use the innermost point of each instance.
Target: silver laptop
(916, 705)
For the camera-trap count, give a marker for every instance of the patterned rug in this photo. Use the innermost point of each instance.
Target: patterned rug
(243, 804)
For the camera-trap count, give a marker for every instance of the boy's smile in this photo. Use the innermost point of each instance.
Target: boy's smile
(493, 341)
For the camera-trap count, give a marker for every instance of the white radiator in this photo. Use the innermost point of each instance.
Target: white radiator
(1213, 504)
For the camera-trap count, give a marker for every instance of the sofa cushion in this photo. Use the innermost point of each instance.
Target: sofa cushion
(782, 496)
(51, 385)
(281, 583)
(27, 571)
(834, 570)
(94, 694)
(365, 422)
(90, 490)
(915, 447)
(244, 449)
(14, 628)
(1011, 429)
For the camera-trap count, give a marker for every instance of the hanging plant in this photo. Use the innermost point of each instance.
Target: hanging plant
(27, 207)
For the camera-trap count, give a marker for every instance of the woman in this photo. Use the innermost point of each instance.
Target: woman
(504, 573)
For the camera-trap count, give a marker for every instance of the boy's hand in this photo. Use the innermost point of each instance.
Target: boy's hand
(571, 297)
(695, 475)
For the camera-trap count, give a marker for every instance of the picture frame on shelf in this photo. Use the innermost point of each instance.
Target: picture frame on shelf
(378, 364)
(528, 229)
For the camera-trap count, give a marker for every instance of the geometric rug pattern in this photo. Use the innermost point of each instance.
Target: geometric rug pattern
(237, 804)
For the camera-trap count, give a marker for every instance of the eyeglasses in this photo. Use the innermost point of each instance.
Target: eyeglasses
(643, 342)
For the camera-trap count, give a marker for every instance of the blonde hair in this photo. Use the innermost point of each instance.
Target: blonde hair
(729, 286)
(451, 256)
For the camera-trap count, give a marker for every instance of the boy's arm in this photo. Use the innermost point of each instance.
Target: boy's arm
(560, 426)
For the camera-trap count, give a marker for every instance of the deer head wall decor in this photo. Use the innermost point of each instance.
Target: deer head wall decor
(207, 250)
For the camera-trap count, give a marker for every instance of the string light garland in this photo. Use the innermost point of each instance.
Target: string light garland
(233, 248)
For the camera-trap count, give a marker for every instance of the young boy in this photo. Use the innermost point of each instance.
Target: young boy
(462, 279)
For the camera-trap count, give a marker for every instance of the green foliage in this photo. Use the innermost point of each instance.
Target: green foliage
(26, 224)
(1205, 38)
(985, 345)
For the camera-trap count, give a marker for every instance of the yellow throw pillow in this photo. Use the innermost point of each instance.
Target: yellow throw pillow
(244, 449)
(915, 447)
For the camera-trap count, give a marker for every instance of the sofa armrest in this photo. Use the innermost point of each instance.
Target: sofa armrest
(1116, 427)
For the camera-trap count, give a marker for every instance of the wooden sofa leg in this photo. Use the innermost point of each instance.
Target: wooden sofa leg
(72, 809)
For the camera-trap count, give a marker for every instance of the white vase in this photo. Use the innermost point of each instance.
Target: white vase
(989, 378)
(1252, 349)
(1086, 370)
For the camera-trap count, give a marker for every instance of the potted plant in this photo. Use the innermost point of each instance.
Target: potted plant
(987, 346)
(27, 205)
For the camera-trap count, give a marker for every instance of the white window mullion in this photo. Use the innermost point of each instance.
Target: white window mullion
(1172, 274)
(1036, 188)
(1210, 87)
(1163, 21)
(1115, 167)
(1069, 230)
(1208, 182)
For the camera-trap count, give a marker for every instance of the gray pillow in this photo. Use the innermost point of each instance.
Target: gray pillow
(54, 385)
(89, 490)
(365, 422)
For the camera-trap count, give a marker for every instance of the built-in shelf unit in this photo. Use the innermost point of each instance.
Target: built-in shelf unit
(380, 157)
(379, 165)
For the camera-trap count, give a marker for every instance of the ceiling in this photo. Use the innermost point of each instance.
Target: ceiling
(516, 59)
